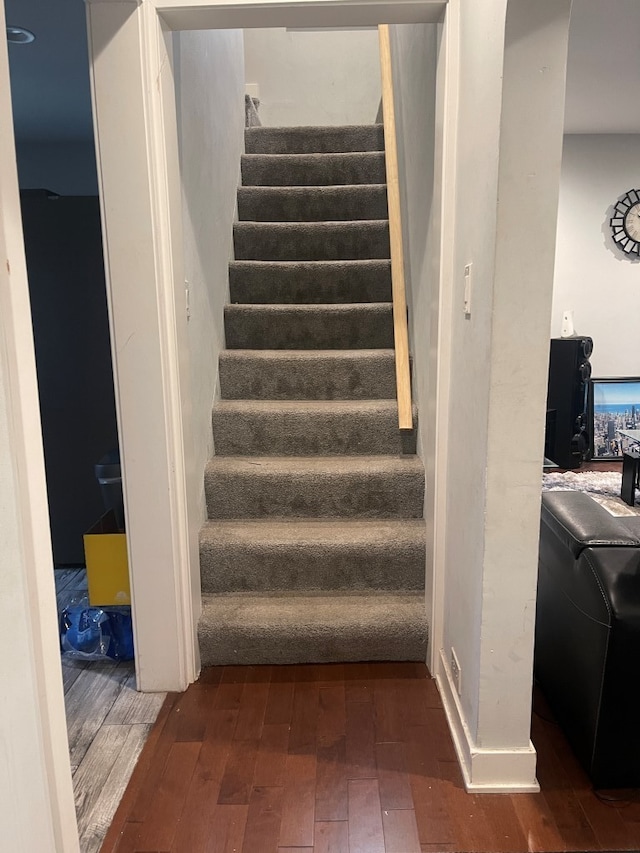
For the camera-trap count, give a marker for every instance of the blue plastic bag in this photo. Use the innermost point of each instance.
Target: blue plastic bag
(96, 633)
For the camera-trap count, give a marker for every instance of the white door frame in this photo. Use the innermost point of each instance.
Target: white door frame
(138, 168)
(37, 810)
(136, 141)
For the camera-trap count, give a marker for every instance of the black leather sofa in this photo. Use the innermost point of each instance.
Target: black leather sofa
(587, 653)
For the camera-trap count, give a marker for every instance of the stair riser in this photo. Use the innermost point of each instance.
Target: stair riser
(298, 434)
(246, 378)
(304, 140)
(310, 242)
(255, 494)
(232, 567)
(296, 204)
(254, 329)
(311, 283)
(312, 170)
(256, 645)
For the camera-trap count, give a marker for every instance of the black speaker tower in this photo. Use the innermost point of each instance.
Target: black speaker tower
(567, 440)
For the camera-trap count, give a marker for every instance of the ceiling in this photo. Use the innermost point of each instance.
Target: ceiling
(603, 74)
(50, 78)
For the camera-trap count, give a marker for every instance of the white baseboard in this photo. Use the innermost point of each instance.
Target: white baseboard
(490, 771)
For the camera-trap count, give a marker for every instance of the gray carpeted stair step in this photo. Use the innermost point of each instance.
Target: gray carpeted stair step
(295, 555)
(309, 140)
(315, 487)
(356, 326)
(305, 427)
(312, 204)
(311, 241)
(312, 170)
(310, 281)
(307, 374)
(286, 629)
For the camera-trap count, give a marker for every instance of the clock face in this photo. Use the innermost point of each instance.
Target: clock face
(625, 223)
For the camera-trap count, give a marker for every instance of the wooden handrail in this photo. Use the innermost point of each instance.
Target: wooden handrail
(400, 330)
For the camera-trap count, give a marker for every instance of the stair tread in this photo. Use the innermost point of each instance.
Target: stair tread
(348, 407)
(314, 608)
(308, 355)
(315, 157)
(367, 464)
(348, 263)
(322, 225)
(313, 128)
(311, 308)
(334, 531)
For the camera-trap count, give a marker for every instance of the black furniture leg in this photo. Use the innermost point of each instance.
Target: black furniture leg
(630, 475)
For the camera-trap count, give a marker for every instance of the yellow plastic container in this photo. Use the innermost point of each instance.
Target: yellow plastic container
(105, 552)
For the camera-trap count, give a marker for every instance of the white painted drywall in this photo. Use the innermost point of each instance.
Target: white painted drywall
(592, 277)
(209, 71)
(314, 77)
(506, 201)
(36, 795)
(414, 60)
(477, 156)
(528, 186)
(66, 168)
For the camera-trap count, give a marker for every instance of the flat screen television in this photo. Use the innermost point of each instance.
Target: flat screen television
(614, 405)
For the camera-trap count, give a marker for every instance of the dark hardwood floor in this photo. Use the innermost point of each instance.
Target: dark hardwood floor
(353, 758)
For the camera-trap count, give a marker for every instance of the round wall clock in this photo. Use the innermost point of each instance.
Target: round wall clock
(625, 223)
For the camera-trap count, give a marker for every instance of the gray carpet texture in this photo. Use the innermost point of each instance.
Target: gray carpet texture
(312, 204)
(358, 374)
(312, 170)
(311, 241)
(314, 550)
(314, 140)
(310, 281)
(303, 428)
(341, 326)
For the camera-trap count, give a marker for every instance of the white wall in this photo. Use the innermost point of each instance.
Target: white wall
(66, 168)
(414, 59)
(314, 78)
(507, 162)
(210, 111)
(593, 278)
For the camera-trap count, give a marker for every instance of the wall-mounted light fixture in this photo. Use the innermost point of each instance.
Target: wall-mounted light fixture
(18, 35)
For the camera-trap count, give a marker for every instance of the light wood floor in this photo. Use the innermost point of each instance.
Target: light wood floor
(343, 759)
(108, 723)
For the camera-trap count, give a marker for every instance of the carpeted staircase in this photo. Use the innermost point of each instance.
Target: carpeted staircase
(315, 545)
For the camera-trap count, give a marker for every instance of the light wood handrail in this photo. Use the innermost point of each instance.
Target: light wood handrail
(400, 330)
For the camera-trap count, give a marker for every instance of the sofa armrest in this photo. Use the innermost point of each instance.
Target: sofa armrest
(580, 522)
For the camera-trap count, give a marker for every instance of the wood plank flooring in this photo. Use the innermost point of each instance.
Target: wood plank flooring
(108, 722)
(352, 758)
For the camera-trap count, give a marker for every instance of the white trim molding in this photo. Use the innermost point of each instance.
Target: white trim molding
(237, 14)
(484, 770)
(138, 172)
(139, 178)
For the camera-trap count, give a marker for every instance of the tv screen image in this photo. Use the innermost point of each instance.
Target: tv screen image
(615, 406)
